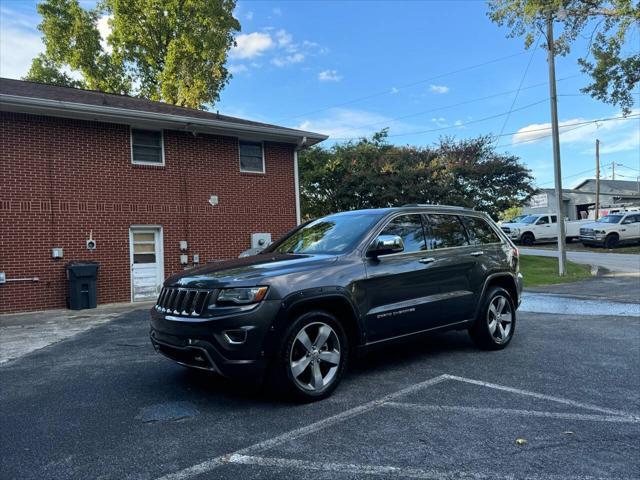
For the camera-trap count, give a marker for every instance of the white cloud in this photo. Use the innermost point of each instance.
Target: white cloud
(284, 39)
(575, 130)
(237, 68)
(19, 43)
(249, 15)
(283, 50)
(251, 45)
(288, 59)
(341, 123)
(329, 76)
(105, 30)
(630, 142)
(393, 90)
(438, 89)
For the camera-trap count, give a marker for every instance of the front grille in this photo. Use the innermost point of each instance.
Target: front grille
(506, 229)
(183, 301)
(586, 231)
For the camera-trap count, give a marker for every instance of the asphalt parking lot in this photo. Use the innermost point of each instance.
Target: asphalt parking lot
(103, 405)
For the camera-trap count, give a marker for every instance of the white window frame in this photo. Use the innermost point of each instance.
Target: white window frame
(134, 162)
(264, 161)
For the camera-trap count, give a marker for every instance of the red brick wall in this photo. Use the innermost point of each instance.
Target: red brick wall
(61, 178)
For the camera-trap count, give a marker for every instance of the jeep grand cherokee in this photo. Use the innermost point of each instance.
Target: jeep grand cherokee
(340, 285)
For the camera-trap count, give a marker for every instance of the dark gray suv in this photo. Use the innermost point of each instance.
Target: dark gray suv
(337, 286)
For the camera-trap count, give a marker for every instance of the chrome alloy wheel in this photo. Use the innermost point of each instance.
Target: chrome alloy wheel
(315, 356)
(500, 319)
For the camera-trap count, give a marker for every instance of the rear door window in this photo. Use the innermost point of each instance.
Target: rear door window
(409, 228)
(479, 231)
(445, 231)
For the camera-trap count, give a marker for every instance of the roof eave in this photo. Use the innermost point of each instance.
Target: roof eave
(126, 116)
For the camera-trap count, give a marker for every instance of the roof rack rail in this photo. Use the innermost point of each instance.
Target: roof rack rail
(436, 205)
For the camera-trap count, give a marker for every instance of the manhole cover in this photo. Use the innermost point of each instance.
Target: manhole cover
(167, 412)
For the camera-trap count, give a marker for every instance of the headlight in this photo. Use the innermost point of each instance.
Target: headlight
(515, 231)
(598, 231)
(242, 296)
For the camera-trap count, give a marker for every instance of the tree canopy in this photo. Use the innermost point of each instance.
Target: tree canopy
(371, 173)
(169, 50)
(608, 24)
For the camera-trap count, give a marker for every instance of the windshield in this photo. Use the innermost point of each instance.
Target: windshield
(610, 219)
(529, 219)
(329, 235)
(517, 219)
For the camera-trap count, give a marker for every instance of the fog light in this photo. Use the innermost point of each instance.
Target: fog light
(235, 337)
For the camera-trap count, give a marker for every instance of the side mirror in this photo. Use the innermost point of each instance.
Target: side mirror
(386, 244)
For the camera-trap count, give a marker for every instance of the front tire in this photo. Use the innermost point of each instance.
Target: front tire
(528, 239)
(312, 358)
(611, 241)
(496, 322)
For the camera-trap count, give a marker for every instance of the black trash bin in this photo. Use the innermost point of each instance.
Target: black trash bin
(82, 278)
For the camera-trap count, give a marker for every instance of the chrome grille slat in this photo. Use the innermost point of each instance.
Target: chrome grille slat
(183, 301)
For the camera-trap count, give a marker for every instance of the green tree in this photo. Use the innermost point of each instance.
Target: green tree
(169, 50)
(614, 70)
(509, 213)
(370, 173)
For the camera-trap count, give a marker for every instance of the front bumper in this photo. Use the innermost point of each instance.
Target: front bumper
(203, 342)
(597, 239)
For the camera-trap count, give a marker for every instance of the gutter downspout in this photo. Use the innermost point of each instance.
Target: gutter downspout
(296, 178)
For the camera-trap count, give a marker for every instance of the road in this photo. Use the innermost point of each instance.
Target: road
(103, 404)
(616, 262)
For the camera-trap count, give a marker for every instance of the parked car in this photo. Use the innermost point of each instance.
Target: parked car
(612, 230)
(542, 227)
(338, 286)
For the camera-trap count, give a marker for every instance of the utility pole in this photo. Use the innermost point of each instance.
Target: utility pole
(553, 97)
(597, 179)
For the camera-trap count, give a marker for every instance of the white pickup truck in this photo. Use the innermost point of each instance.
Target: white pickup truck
(541, 227)
(612, 230)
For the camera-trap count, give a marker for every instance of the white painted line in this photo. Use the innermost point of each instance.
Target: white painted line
(489, 412)
(300, 432)
(390, 471)
(541, 396)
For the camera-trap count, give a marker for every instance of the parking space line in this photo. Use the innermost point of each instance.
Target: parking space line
(390, 471)
(542, 396)
(209, 465)
(243, 455)
(509, 411)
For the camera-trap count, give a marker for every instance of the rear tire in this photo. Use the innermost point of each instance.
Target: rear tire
(528, 239)
(611, 241)
(312, 358)
(496, 322)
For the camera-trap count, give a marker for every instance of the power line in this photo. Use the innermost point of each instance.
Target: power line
(445, 107)
(406, 85)
(484, 119)
(569, 176)
(524, 75)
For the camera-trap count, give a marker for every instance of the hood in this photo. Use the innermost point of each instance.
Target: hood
(512, 225)
(248, 271)
(593, 224)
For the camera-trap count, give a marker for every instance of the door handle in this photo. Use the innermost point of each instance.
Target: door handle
(427, 260)
(477, 254)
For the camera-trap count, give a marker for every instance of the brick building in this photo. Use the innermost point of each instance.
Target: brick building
(148, 182)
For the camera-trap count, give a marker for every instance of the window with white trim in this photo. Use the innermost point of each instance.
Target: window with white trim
(146, 146)
(251, 157)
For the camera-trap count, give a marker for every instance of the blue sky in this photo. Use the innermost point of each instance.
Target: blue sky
(422, 68)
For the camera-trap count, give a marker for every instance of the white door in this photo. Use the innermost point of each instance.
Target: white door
(147, 272)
